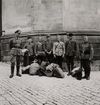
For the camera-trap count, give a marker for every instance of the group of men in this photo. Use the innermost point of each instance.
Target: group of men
(53, 52)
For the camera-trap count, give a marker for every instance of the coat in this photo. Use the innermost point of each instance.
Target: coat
(72, 50)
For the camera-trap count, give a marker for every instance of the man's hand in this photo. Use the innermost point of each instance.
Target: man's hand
(49, 52)
(54, 56)
(91, 60)
(36, 54)
(63, 55)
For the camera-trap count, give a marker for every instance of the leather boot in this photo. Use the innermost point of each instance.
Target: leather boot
(18, 74)
(12, 72)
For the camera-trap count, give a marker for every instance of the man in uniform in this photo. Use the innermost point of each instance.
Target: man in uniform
(30, 50)
(86, 55)
(70, 52)
(39, 50)
(48, 46)
(15, 52)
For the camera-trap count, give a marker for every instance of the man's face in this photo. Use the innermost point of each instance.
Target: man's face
(30, 40)
(58, 38)
(48, 38)
(69, 37)
(17, 35)
(40, 39)
(85, 38)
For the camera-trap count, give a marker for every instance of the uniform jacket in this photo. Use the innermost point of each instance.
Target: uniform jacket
(39, 48)
(86, 51)
(48, 46)
(30, 47)
(15, 43)
(70, 51)
(15, 49)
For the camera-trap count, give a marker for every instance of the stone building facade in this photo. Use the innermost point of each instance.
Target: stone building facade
(51, 16)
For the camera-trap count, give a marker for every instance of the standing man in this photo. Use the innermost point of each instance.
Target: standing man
(48, 46)
(58, 51)
(30, 47)
(86, 55)
(39, 50)
(15, 52)
(70, 52)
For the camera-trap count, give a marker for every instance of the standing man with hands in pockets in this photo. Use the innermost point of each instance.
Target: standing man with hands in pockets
(58, 51)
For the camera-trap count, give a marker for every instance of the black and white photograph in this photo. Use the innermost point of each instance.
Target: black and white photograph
(49, 52)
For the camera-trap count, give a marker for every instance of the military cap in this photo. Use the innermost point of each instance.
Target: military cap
(48, 35)
(18, 31)
(70, 34)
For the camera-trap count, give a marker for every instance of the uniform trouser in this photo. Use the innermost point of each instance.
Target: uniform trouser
(58, 60)
(85, 64)
(17, 65)
(49, 57)
(26, 59)
(31, 58)
(40, 58)
(70, 63)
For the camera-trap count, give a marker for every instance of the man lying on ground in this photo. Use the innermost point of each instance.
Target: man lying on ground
(45, 69)
(77, 73)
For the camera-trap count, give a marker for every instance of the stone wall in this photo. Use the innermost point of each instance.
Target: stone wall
(81, 15)
(30, 15)
(51, 15)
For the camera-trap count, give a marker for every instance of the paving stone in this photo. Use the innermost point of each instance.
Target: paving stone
(35, 90)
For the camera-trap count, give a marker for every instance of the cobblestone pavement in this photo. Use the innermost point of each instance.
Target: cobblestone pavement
(35, 90)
